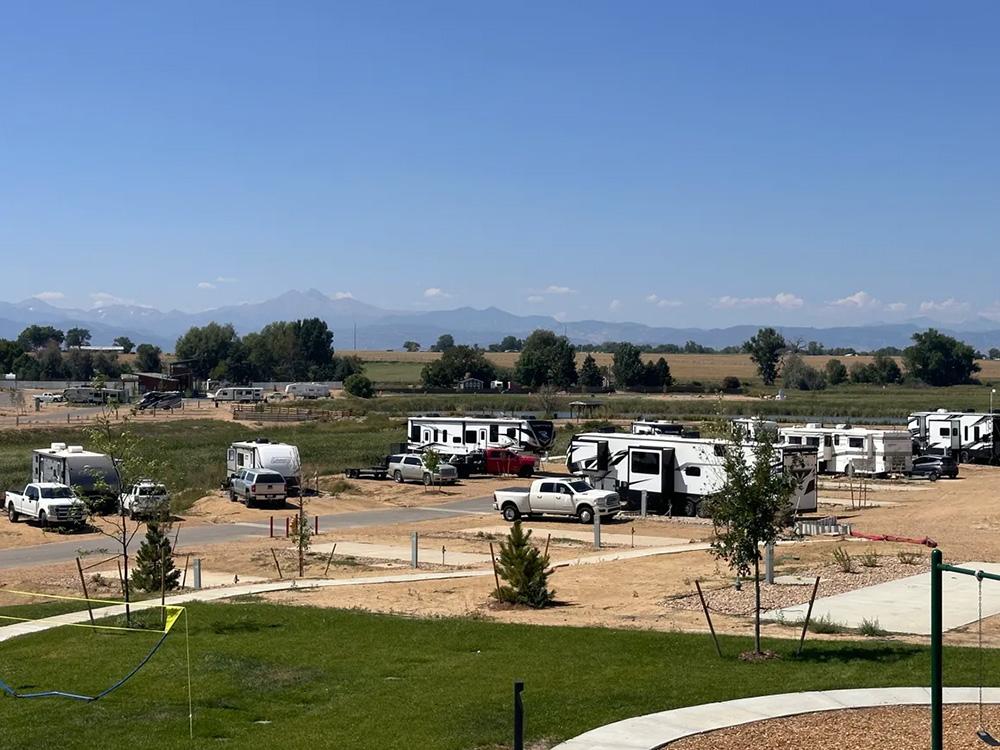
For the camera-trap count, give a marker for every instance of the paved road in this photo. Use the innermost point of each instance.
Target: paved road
(43, 554)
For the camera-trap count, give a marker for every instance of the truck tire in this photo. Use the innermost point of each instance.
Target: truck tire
(12, 515)
(510, 513)
(525, 472)
(397, 476)
(43, 520)
(428, 479)
(232, 496)
(585, 514)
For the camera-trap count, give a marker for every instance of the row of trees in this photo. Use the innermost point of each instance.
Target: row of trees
(934, 359)
(36, 354)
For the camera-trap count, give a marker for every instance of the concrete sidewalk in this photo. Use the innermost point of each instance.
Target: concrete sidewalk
(654, 730)
(903, 605)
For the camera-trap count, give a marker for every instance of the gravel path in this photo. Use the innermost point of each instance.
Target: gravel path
(899, 728)
(727, 600)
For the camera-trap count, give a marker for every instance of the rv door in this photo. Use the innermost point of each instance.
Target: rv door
(956, 437)
(648, 470)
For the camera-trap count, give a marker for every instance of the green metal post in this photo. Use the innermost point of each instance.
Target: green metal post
(937, 674)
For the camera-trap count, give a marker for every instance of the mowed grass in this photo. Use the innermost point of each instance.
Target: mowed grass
(299, 677)
(193, 452)
(404, 367)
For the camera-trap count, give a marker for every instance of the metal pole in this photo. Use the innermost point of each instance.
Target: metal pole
(769, 563)
(518, 716)
(937, 665)
(597, 530)
(642, 504)
(414, 561)
(197, 573)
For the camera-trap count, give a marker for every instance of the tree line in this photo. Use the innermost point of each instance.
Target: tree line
(37, 354)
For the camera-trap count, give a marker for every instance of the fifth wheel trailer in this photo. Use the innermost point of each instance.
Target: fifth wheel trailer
(968, 436)
(854, 450)
(462, 441)
(677, 472)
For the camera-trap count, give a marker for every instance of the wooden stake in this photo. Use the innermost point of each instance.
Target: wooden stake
(496, 576)
(708, 616)
(275, 556)
(547, 540)
(184, 578)
(329, 560)
(83, 584)
(805, 625)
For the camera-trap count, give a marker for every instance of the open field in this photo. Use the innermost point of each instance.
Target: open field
(404, 367)
(300, 677)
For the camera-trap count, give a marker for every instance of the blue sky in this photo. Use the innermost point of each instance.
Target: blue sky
(671, 163)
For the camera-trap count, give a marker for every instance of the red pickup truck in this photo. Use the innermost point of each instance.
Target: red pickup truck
(503, 461)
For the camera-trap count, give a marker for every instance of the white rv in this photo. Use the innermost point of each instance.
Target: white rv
(968, 436)
(678, 472)
(239, 394)
(85, 394)
(261, 453)
(88, 472)
(854, 450)
(459, 438)
(307, 390)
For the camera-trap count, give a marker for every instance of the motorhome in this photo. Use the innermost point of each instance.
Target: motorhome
(676, 471)
(91, 474)
(85, 394)
(261, 453)
(968, 436)
(844, 449)
(459, 439)
(307, 390)
(240, 394)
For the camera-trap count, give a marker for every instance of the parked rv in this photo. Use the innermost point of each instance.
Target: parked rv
(47, 503)
(844, 449)
(307, 390)
(677, 472)
(462, 440)
(242, 395)
(160, 400)
(566, 497)
(967, 435)
(92, 474)
(261, 453)
(85, 394)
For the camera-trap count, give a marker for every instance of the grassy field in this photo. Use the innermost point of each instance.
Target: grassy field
(298, 677)
(194, 452)
(404, 367)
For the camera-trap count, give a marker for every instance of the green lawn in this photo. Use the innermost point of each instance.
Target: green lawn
(394, 373)
(298, 677)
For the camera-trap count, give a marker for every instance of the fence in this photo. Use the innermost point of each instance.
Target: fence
(268, 413)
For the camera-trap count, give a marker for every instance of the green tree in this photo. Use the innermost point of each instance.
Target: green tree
(940, 360)
(50, 362)
(10, 352)
(657, 374)
(627, 366)
(147, 358)
(432, 462)
(994, 353)
(360, 386)
(411, 346)
(125, 343)
(524, 570)
(511, 344)
(445, 342)
(154, 561)
(885, 370)
(765, 349)
(750, 508)
(78, 365)
(454, 365)
(836, 372)
(207, 347)
(77, 337)
(546, 359)
(800, 376)
(590, 373)
(35, 338)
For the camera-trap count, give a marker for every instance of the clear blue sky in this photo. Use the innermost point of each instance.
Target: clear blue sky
(672, 163)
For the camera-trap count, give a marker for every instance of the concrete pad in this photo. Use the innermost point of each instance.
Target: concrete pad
(209, 578)
(903, 605)
(427, 554)
(586, 534)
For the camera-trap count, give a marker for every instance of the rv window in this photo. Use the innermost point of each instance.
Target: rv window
(795, 440)
(945, 432)
(856, 442)
(494, 433)
(827, 441)
(645, 462)
(239, 459)
(415, 433)
(813, 441)
(435, 436)
(456, 439)
(692, 471)
(836, 439)
(470, 436)
(427, 436)
(512, 432)
(719, 449)
(444, 436)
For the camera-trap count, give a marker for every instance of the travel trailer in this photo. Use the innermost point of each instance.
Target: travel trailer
(240, 394)
(91, 474)
(261, 453)
(968, 436)
(307, 390)
(677, 471)
(85, 394)
(462, 440)
(854, 450)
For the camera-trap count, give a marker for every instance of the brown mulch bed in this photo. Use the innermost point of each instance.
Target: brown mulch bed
(727, 600)
(895, 727)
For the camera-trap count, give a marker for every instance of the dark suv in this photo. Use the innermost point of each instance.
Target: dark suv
(933, 467)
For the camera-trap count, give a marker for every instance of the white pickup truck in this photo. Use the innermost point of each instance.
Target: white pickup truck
(557, 497)
(47, 503)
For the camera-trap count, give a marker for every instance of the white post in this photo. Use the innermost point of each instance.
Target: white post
(197, 573)
(642, 504)
(769, 563)
(597, 530)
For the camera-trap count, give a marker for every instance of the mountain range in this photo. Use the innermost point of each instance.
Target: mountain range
(379, 328)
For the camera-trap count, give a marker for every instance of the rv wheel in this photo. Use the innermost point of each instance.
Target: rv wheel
(397, 477)
(586, 514)
(12, 515)
(691, 507)
(510, 513)
(963, 457)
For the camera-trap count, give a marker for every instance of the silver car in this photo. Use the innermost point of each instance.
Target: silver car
(411, 467)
